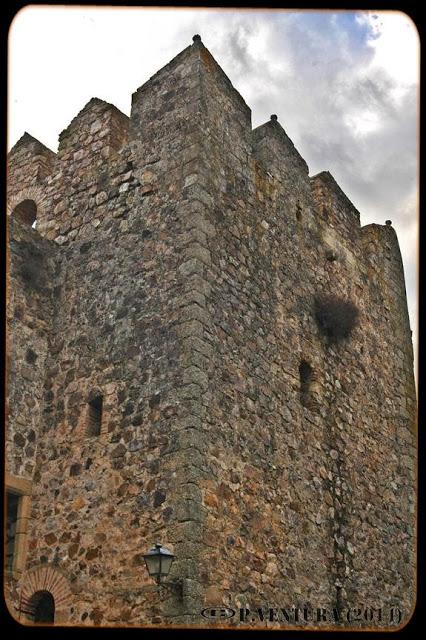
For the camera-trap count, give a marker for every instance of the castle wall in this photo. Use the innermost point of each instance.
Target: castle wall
(263, 504)
(128, 337)
(284, 240)
(333, 465)
(30, 162)
(189, 252)
(384, 467)
(32, 263)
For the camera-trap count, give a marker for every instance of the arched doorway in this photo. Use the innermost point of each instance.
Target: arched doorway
(42, 607)
(26, 212)
(35, 604)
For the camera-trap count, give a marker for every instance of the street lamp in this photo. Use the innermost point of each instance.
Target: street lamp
(158, 561)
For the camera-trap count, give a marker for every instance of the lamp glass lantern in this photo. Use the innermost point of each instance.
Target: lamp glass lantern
(158, 561)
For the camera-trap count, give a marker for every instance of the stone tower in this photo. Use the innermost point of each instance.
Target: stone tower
(205, 349)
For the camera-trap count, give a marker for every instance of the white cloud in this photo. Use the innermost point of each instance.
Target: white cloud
(363, 122)
(61, 57)
(395, 41)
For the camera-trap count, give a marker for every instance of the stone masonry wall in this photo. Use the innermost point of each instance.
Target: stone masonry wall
(182, 255)
(32, 262)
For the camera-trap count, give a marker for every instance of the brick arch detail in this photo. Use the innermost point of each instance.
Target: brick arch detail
(30, 193)
(46, 578)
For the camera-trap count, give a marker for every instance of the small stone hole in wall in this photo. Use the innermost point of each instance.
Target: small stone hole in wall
(30, 356)
(298, 212)
(94, 416)
(75, 469)
(102, 181)
(305, 377)
(26, 212)
(331, 256)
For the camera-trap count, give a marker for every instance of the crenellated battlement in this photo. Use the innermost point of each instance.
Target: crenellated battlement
(274, 148)
(99, 129)
(165, 109)
(29, 162)
(329, 196)
(37, 150)
(179, 99)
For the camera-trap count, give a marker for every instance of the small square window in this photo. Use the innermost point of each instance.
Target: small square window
(305, 376)
(12, 505)
(94, 416)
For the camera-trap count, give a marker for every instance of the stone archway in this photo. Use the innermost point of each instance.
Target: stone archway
(26, 212)
(45, 590)
(28, 205)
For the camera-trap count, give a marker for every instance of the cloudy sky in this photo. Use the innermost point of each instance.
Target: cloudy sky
(344, 86)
